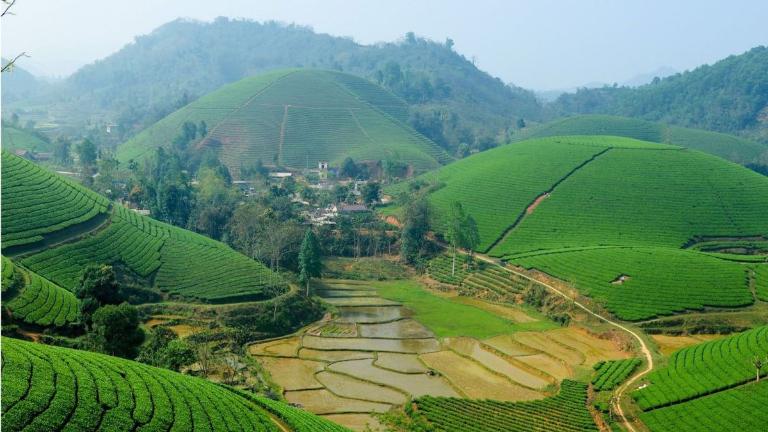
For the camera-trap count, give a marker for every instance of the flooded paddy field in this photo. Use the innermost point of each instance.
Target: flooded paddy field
(374, 354)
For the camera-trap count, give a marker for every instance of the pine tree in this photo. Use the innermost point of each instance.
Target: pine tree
(309, 259)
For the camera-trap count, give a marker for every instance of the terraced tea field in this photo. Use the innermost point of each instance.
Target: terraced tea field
(622, 220)
(52, 388)
(17, 139)
(297, 118)
(708, 386)
(85, 231)
(567, 411)
(729, 147)
(375, 355)
(38, 301)
(704, 369)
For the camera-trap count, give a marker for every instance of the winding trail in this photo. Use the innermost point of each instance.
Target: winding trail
(644, 348)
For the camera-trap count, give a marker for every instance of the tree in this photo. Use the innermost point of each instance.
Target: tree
(86, 152)
(62, 151)
(371, 193)
(348, 168)
(415, 228)
(97, 287)
(471, 236)
(177, 354)
(455, 231)
(310, 264)
(117, 329)
(758, 363)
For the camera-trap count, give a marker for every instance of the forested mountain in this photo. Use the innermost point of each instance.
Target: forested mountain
(728, 96)
(18, 83)
(453, 102)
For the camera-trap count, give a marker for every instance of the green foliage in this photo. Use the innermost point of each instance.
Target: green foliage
(36, 300)
(609, 374)
(297, 118)
(739, 410)
(727, 96)
(116, 328)
(37, 202)
(52, 388)
(761, 281)
(729, 147)
(565, 412)
(705, 368)
(413, 242)
(310, 260)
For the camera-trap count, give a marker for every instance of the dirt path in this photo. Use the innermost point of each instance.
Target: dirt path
(643, 347)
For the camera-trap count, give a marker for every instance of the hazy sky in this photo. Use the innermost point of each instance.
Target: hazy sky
(541, 44)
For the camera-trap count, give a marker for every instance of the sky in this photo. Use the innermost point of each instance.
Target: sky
(537, 44)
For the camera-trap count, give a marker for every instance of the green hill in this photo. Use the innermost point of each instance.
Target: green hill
(296, 118)
(592, 209)
(52, 388)
(36, 300)
(56, 227)
(728, 96)
(729, 147)
(717, 378)
(18, 139)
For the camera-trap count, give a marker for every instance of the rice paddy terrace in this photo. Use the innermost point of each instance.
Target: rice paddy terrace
(709, 386)
(55, 227)
(729, 147)
(295, 118)
(377, 354)
(639, 226)
(52, 388)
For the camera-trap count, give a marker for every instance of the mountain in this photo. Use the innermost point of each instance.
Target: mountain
(56, 227)
(625, 221)
(453, 101)
(735, 149)
(296, 118)
(728, 96)
(53, 388)
(19, 84)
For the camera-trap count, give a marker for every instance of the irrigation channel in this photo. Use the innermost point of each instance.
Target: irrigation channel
(643, 347)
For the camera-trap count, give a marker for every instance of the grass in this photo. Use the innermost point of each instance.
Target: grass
(448, 317)
(729, 147)
(297, 118)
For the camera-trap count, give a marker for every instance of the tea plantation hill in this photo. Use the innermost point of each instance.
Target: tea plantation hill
(19, 139)
(55, 227)
(735, 149)
(295, 118)
(633, 224)
(52, 388)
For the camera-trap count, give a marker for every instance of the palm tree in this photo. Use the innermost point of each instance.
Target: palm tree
(758, 363)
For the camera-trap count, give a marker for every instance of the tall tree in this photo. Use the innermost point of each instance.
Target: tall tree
(97, 287)
(310, 264)
(62, 151)
(117, 329)
(455, 231)
(413, 238)
(471, 236)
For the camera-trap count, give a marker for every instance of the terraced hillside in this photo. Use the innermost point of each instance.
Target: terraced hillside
(709, 386)
(618, 218)
(296, 118)
(18, 139)
(565, 412)
(36, 300)
(65, 227)
(51, 388)
(729, 147)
